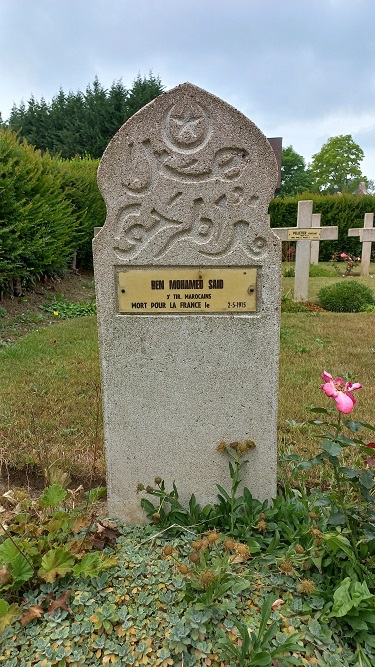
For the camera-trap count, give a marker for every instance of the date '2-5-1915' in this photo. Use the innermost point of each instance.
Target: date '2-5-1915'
(236, 304)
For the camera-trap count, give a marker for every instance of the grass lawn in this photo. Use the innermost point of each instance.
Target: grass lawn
(51, 403)
(50, 387)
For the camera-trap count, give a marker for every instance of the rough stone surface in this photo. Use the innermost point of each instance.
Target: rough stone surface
(187, 182)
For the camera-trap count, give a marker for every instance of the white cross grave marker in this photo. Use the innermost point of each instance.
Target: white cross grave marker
(304, 234)
(366, 236)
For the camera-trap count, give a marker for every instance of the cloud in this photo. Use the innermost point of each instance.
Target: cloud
(301, 69)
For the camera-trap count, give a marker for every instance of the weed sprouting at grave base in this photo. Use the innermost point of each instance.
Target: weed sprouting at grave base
(40, 541)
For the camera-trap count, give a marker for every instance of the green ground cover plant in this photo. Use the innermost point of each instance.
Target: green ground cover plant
(67, 310)
(33, 308)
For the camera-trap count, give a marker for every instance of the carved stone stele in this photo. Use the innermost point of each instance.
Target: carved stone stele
(187, 183)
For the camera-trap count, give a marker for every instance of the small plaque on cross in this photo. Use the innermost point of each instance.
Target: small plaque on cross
(307, 234)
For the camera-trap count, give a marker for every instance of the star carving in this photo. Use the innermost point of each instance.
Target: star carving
(187, 126)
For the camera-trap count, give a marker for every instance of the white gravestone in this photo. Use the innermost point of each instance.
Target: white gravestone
(187, 275)
(366, 236)
(304, 234)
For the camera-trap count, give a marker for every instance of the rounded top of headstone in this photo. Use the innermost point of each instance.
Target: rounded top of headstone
(187, 175)
(190, 123)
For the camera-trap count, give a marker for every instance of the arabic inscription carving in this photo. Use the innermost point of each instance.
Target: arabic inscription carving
(207, 199)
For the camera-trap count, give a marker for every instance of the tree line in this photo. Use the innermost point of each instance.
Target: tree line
(82, 123)
(49, 199)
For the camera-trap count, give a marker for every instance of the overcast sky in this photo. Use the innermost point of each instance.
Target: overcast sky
(300, 69)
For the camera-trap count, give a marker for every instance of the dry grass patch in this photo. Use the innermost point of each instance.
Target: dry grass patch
(51, 400)
(310, 343)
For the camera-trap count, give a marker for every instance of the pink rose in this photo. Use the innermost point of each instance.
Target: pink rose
(340, 391)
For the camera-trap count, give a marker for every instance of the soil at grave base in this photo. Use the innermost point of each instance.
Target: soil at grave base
(33, 484)
(314, 308)
(22, 312)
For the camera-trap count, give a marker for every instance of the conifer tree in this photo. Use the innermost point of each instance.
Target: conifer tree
(82, 123)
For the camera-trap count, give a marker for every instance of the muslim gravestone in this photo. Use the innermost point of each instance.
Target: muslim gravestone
(187, 276)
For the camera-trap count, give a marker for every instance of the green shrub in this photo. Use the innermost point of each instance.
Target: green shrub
(288, 305)
(347, 296)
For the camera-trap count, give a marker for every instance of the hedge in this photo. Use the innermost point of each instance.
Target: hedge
(50, 206)
(343, 211)
(48, 210)
(81, 189)
(37, 223)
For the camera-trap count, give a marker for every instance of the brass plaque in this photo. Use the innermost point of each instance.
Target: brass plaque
(192, 290)
(309, 234)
